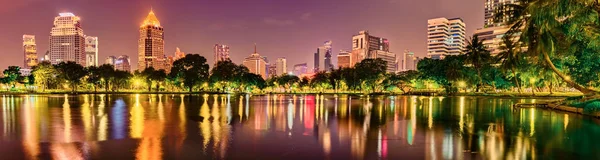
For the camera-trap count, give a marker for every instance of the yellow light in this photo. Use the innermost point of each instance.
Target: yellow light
(568, 78)
(532, 80)
(462, 84)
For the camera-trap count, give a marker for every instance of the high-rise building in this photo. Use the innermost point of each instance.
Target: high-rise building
(123, 63)
(281, 65)
(178, 54)
(271, 70)
(221, 53)
(91, 51)
(151, 45)
(409, 61)
(445, 37)
(110, 60)
(493, 31)
(46, 56)
(343, 59)
(256, 64)
(67, 42)
(300, 69)
(490, 12)
(168, 63)
(323, 58)
(365, 46)
(29, 51)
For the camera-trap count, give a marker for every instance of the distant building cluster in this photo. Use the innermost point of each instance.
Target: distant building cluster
(445, 36)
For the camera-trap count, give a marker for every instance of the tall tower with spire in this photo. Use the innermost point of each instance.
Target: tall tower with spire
(256, 64)
(151, 45)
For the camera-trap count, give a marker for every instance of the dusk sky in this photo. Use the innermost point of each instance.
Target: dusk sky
(280, 28)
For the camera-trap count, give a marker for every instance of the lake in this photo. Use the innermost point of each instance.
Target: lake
(196, 126)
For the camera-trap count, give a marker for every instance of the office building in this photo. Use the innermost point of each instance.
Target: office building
(490, 10)
(256, 64)
(409, 61)
(110, 60)
(151, 44)
(178, 54)
(366, 46)
(29, 51)
(281, 66)
(343, 59)
(123, 63)
(271, 70)
(221, 53)
(91, 51)
(300, 69)
(323, 58)
(67, 42)
(445, 37)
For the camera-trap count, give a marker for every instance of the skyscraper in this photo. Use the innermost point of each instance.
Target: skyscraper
(67, 42)
(29, 51)
(343, 59)
(445, 37)
(281, 66)
(151, 45)
(493, 31)
(490, 12)
(365, 46)
(178, 54)
(256, 64)
(123, 63)
(110, 60)
(221, 53)
(91, 51)
(323, 57)
(409, 61)
(300, 69)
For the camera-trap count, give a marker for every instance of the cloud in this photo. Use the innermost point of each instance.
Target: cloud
(276, 22)
(306, 16)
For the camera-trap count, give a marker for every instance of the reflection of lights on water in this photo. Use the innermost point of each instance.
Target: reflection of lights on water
(103, 125)
(205, 124)
(461, 122)
(290, 115)
(447, 145)
(67, 119)
(566, 121)
(136, 119)
(430, 113)
(532, 121)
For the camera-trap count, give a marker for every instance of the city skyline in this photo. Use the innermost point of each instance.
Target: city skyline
(197, 32)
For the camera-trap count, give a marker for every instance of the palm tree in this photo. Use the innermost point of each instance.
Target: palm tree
(547, 26)
(509, 58)
(478, 56)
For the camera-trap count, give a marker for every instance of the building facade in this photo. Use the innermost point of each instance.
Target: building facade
(151, 44)
(366, 46)
(323, 57)
(67, 42)
(91, 51)
(221, 53)
(29, 51)
(409, 61)
(256, 64)
(445, 37)
(343, 59)
(300, 69)
(178, 54)
(281, 65)
(110, 60)
(490, 7)
(123, 63)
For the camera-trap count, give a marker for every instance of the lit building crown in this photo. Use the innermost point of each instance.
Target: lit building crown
(151, 20)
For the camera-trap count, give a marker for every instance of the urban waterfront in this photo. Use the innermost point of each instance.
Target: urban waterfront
(196, 126)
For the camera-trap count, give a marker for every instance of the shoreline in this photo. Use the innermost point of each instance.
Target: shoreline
(496, 95)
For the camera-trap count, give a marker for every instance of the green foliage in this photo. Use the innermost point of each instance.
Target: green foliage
(71, 72)
(12, 75)
(191, 70)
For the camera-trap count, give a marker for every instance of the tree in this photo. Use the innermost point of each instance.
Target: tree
(159, 76)
(227, 73)
(320, 80)
(106, 73)
(71, 72)
(549, 27)
(12, 75)
(478, 56)
(509, 58)
(120, 79)
(148, 74)
(253, 80)
(93, 77)
(44, 73)
(191, 70)
(370, 70)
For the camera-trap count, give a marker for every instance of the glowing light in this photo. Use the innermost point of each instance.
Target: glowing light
(66, 14)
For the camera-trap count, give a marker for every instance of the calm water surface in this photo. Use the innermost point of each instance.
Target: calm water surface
(288, 127)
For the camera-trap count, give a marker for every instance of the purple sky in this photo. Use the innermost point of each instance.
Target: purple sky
(281, 28)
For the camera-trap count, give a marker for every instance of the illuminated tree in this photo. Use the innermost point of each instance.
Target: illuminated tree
(71, 72)
(190, 70)
(477, 56)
